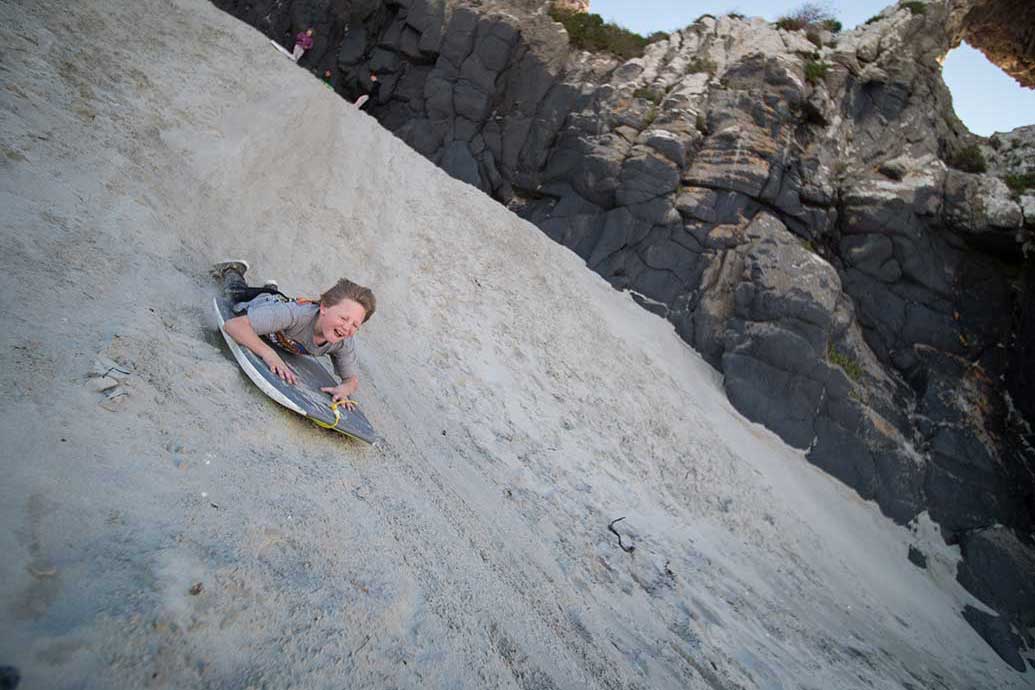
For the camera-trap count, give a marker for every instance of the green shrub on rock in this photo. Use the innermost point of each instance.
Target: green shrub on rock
(914, 7)
(649, 94)
(816, 71)
(968, 159)
(847, 364)
(789, 24)
(699, 64)
(811, 16)
(651, 115)
(1020, 183)
(590, 32)
(701, 124)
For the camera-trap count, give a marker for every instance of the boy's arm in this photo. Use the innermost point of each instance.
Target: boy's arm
(240, 329)
(344, 361)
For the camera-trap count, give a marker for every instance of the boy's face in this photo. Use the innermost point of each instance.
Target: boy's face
(340, 321)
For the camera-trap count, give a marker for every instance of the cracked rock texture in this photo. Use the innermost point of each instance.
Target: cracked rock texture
(789, 207)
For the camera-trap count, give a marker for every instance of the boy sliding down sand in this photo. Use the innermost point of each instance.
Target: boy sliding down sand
(324, 327)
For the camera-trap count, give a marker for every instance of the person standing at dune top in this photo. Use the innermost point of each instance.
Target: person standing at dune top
(375, 89)
(303, 42)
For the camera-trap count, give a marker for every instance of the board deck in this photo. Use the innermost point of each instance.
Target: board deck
(305, 397)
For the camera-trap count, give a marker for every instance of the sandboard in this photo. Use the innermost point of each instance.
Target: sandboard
(304, 397)
(282, 49)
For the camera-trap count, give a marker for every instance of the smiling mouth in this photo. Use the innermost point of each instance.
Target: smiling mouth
(339, 333)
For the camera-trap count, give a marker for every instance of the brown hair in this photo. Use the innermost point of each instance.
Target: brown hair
(346, 289)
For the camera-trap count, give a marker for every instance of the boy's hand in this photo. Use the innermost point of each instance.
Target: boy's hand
(340, 394)
(278, 367)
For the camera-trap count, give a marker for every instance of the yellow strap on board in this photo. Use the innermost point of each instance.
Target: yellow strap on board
(337, 414)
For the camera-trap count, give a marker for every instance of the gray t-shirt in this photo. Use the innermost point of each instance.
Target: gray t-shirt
(295, 321)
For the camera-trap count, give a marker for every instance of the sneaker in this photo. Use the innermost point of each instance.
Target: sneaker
(221, 267)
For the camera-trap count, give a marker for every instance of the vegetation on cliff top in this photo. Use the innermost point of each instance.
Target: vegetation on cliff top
(811, 16)
(590, 32)
(914, 7)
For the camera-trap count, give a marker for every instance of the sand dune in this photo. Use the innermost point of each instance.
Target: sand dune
(526, 405)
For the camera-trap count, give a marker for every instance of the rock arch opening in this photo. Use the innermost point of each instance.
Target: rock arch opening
(986, 99)
(1003, 32)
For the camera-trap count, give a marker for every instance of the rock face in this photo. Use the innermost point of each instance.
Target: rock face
(997, 550)
(997, 633)
(789, 203)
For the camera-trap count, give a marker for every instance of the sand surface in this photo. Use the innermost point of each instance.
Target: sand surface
(526, 405)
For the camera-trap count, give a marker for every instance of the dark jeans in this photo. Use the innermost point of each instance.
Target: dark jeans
(236, 289)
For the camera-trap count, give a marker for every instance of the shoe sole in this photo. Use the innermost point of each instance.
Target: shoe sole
(220, 267)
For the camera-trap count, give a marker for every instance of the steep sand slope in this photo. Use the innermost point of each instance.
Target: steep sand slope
(526, 406)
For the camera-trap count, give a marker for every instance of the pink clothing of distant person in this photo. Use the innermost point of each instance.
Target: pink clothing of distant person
(303, 39)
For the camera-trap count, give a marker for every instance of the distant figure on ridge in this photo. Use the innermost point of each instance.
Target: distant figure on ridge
(303, 42)
(375, 88)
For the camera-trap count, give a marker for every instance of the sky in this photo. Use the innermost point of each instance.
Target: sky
(985, 98)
